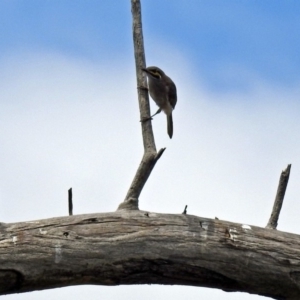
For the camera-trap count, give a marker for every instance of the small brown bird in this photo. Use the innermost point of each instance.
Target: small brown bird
(163, 91)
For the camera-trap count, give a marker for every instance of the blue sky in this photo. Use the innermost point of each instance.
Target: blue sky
(69, 115)
(217, 36)
(261, 36)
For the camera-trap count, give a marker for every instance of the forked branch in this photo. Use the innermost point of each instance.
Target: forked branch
(150, 156)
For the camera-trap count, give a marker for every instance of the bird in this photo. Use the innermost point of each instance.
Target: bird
(163, 91)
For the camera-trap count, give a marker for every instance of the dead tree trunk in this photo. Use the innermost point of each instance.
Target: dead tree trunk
(136, 247)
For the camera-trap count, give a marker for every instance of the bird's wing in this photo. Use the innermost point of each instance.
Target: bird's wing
(171, 92)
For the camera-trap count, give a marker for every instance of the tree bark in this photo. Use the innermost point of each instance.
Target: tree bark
(151, 156)
(283, 182)
(136, 247)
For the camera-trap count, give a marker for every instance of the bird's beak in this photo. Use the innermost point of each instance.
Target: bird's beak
(145, 70)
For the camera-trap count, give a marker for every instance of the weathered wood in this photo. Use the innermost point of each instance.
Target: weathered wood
(282, 185)
(70, 202)
(150, 156)
(144, 170)
(135, 247)
(140, 63)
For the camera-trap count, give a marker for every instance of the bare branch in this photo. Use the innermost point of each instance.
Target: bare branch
(70, 202)
(146, 166)
(150, 156)
(283, 182)
(159, 154)
(140, 62)
(138, 247)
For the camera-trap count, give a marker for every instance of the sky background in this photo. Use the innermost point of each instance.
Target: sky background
(69, 115)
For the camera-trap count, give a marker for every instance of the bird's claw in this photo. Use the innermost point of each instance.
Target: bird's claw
(146, 119)
(143, 88)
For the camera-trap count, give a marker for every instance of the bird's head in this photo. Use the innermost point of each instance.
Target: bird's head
(154, 72)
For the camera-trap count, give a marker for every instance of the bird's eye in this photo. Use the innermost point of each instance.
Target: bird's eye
(156, 74)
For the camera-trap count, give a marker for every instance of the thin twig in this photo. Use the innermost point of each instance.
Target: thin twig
(283, 182)
(70, 195)
(159, 154)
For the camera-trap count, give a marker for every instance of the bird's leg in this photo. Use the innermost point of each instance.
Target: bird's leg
(143, 88)
(158, 111)
(150, 118)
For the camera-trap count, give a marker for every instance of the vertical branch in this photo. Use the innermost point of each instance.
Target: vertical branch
(140, 62)
(150, 156)
(283, 182)
(70, 196)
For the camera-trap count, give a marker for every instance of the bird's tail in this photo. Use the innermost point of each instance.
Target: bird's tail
(170, 125)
